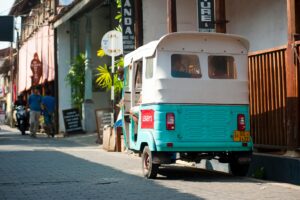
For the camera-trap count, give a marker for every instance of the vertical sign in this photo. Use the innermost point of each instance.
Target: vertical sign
(206, 15)
(128, 26)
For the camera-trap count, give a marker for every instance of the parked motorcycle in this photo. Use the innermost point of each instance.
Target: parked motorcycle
(22, 119)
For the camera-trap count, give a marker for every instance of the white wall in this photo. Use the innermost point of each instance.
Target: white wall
(63, 61)
(262, 22)
(155, 17)
(100, 25)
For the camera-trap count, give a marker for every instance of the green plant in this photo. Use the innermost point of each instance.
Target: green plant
(259, 173)
(76, 79)
(104, 79)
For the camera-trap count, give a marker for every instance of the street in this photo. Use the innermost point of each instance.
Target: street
(76, 167)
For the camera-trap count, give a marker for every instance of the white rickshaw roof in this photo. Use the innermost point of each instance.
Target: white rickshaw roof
(163, 88)
(149, 49)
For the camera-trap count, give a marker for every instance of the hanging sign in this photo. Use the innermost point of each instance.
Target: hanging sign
(37, 69)
(206, 15)
(128, 25)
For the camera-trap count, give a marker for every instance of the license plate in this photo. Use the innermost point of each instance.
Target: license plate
(241, 136)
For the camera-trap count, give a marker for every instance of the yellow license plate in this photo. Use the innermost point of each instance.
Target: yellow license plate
(241, 136)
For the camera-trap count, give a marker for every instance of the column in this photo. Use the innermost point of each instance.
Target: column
(292, 98)
(220, 16)
(89, 123)
(171, 16)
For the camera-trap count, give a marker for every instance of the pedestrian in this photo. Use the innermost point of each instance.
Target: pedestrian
(48, 107)
(20, 101)
(20, 104)
(34, 103)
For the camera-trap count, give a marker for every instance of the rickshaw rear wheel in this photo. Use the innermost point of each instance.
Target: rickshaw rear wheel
(150, 169)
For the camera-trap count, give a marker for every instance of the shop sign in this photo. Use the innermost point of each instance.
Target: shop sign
(206, 15)
(37, 69)
(147, 118)
(111, 43)
(7, 28)
(128, 25)
(72, 120)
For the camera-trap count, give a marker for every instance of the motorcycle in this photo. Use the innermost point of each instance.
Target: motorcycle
(22, 119)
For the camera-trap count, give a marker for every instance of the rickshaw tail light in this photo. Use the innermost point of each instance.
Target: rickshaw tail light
(170, 121)
(241, 122)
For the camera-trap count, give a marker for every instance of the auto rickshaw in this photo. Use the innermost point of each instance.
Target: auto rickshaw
(190, 94)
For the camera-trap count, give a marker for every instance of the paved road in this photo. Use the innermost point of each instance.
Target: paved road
(77, 168)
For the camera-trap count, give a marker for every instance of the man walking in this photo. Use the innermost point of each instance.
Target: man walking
(48, 106)
(34, 102)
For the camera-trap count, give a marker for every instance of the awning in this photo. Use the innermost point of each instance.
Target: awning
(42, 43)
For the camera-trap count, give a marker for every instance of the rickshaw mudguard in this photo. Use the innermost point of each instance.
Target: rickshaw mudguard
(144, 138)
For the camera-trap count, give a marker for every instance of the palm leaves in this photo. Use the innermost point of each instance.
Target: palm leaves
(103, 77)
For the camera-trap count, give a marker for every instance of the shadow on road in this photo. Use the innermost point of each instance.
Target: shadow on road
(195, 174)
(41, 171)
(55, 175)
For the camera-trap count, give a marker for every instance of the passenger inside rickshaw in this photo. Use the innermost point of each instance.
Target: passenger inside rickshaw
(185, 66)
(221, 67)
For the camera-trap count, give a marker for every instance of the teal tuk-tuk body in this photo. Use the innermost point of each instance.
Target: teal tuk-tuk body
(186, 97)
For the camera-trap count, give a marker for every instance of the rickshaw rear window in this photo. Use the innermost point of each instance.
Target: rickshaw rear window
(185, 66)
(221, 67)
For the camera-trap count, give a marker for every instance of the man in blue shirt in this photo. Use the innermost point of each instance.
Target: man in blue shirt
(48, 106)
(34, 102)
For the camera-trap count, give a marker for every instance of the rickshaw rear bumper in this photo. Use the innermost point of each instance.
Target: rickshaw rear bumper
(204, 146)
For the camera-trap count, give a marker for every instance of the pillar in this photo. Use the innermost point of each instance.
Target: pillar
(220, 16)
(171, 16)
(292, 96)
(89, 123)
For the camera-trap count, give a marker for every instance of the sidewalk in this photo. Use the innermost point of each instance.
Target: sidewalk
(276, 168)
